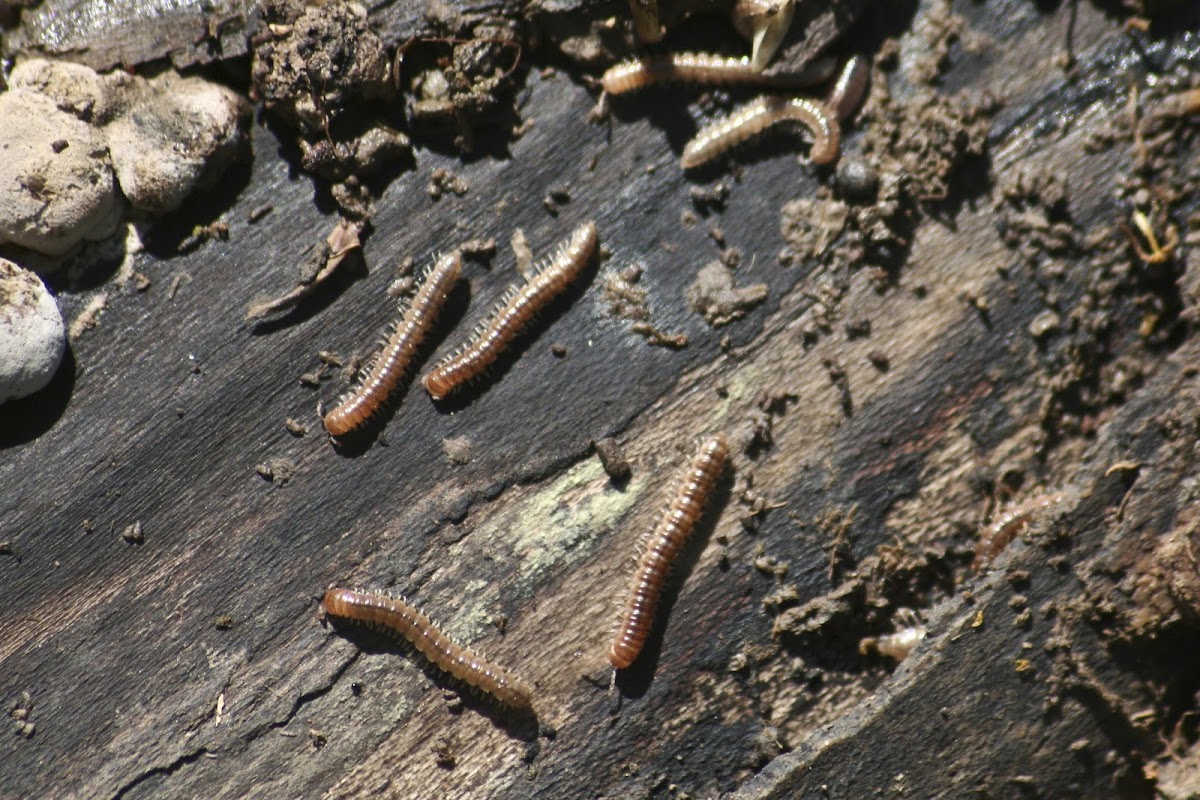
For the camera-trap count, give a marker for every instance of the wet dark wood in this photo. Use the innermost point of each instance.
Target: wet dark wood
(194, 664)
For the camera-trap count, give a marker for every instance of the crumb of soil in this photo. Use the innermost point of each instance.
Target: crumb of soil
(612, 458)
(277, 470)
(714, 296)
(457, 449)
(628, 300)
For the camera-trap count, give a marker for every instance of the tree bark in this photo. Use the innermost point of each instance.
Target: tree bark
(878, 409)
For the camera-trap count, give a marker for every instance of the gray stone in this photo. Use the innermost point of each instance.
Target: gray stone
(56, 181)
(177, 134)
(32, 335)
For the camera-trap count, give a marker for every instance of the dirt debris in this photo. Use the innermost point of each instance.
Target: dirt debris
(20, 712)
(938, 28)
(1035, 217)
(714, 296)
(311, 64)
(279, 470)
(460, 79)
(445, 751)
(443, 180)
(479, 249)
(324, 72)
(88, 318)
(612, 458)
(373, 150)
(918, 144)
(457, 450)
(810, 226)
(522, 253)
(322, 262)
(133, 533)
(628, 300)
(913, 150)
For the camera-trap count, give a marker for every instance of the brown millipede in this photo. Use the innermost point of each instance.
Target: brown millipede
(394, 615)
(704, 68)
(664, 546)
(392, 362)
(1007, 526)
(518, 306)
(850, 87)
(758, 115)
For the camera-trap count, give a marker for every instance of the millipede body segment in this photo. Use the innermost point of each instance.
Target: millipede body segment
(662, 548)
(515, 310)
(850, 87)
(758, 115)
(630, 76)
(396, 616)
(1000, 534)
(390, 366)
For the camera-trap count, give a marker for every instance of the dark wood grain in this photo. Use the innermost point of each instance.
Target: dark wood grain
(194, 664)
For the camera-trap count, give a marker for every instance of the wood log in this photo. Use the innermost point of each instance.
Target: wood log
(885, 400)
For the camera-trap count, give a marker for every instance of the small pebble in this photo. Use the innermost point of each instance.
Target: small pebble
(857, 180)
(132, 534)
(32, 334)
(1045, 323)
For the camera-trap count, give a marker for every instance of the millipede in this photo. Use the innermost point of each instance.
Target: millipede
(662, 548)
(1001, 532)
(390, 366)
(519, 305)
(630, 76)
(394, 615)
(758, 115)
(849, 88)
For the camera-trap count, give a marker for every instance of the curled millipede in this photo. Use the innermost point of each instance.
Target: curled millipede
(758, 115)
(663, 547)
(850, 87)
(396, 616)
(392, 363)
(515, 310)
(1000, 534)
(704, 68)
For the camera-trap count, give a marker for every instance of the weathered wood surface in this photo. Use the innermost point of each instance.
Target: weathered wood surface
(136, 691)
(105, 35)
